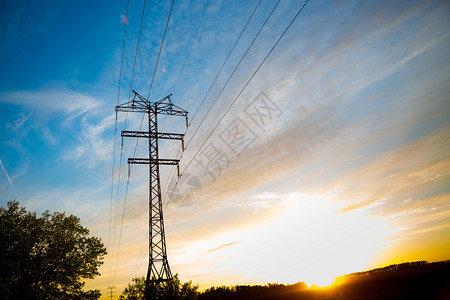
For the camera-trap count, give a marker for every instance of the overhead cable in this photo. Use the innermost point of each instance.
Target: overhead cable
(246, 84)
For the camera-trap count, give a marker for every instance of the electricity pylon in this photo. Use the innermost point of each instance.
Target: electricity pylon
(112, 291)
(158, 274)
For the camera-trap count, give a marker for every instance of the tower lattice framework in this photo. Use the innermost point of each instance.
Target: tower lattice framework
(159, 275)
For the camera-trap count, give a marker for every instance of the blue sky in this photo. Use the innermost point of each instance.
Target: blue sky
(360, 137)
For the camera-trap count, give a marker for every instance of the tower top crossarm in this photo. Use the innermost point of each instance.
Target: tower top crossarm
(142, 105)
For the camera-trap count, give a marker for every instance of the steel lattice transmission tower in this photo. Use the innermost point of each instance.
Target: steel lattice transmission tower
(158, 274)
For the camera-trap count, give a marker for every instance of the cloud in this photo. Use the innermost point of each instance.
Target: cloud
(334, 89)
(92, 143)
(223, 246)
(413, 170)
(68, 102)
(61, 117)
(355, 123)
(19, 122)
(359, 122)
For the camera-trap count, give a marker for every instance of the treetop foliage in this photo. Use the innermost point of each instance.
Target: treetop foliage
(46, 257)
(135, 290)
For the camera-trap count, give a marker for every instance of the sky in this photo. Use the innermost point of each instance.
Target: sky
(328, 156)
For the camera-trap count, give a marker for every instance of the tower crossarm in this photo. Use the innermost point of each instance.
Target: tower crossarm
(159, 161)
(171, 109)
(138, 104)
(163, 106)
(127, 107)
(159, 135)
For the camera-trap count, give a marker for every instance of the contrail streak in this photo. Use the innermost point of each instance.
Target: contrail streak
(10, 181)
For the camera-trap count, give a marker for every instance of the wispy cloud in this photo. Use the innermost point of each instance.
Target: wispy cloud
(68, 102)
(223, 246)
(336, 134)
(363, 135)
(346, 130)
(93, 144)
(19, 122)
(49, 111)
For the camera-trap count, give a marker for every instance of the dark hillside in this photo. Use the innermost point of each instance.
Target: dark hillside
(417, 280)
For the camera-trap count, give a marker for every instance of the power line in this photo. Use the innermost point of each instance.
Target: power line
(112, 192)
(158, 268)
(121, 227)
(154, 72)
(119, 177)
(115, 136)
(123, 50)
(137, 50)
(168, 182)
(126, 119)
(10, 182)
(156, 65)
(229, 78)
(159, 53)
(139, 258)
(192, 42)
(172, 171)
(125, 203)
(234, 70)
(223, 64)
(250, 79)
(225, 61)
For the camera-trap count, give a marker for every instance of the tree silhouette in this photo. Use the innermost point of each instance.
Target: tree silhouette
(46, 257)
(135, 290)
(269, 291)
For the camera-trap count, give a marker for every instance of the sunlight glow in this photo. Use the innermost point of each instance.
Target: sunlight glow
(311, 242)
(308, 241)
